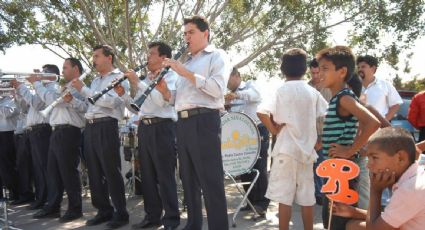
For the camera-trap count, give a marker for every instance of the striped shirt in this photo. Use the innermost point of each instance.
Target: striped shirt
(338, 129)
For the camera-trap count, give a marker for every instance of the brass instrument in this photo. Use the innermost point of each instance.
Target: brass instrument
(49, 108)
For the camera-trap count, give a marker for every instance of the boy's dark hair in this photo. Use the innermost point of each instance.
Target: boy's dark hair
(200, 22)
(355, 84)
(393, 139)
(50, 68)
(370, 60)
(235, 72)
(106, 50)
(163, 48)
(294, 63)
(340, 56)
(75, 62)
(313, 63)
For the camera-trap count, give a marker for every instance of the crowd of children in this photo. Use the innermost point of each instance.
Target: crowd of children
(350, 131)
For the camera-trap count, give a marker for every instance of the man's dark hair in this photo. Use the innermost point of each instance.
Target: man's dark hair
(294, 63)
(313, 63)
(163, 48)
(75, 62)
(370, 60)
(50, 68)
(106, 50)
(200, 22)
(355, 84)
(393, 139)
(340, 56)
(235, 72)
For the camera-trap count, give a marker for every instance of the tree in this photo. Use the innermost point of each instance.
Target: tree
(258, 31)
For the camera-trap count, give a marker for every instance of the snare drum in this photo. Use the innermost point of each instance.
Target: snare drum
(240, 143)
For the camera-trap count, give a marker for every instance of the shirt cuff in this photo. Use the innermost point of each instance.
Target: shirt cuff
(199, 81)
(85, 91)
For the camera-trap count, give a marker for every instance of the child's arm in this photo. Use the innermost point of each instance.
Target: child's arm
(344, 210)
(368, 124)
(384, 122)
(265, 119)
(421, 146)
(378, 182)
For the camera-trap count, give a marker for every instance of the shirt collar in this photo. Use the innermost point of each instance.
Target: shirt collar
(208, 49)
(242, 85)
(409, 173)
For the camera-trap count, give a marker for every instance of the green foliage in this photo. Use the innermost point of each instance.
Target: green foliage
(258, 32)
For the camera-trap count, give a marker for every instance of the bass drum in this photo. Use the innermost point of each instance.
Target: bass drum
(240, 143)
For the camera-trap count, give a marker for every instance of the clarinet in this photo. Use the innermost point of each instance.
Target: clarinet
(97, 96)
(139, 101)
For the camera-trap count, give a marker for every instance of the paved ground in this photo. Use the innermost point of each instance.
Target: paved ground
(22, 218)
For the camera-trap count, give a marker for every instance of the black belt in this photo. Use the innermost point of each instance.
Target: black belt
(64, 126)
(154, 120)
(38, 126)
(101, 119)
(192, 112)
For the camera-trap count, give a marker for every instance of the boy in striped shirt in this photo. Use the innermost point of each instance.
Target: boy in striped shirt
(345, 116)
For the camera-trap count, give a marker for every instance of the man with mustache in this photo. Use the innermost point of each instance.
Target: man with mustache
(379, 93)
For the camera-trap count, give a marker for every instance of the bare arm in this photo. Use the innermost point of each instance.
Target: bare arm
(266, 120)
(392, 111)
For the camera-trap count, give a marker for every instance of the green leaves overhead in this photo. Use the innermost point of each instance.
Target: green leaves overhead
(257, 31)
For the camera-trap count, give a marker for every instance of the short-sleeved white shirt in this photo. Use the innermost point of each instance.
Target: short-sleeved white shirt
(381, 94)
(297, 105)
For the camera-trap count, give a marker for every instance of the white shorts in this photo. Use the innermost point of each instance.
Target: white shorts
(291, 180)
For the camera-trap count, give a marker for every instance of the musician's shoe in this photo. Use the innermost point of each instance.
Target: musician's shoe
(170, 227)
(22, 201)
(35, 205)
(146, 224)
(70, 216)
(116, 223)
(98, 219)
(245, 208)
(46, 214)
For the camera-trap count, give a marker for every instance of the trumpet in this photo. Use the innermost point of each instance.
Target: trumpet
(45, 78)
(96, 97)
(4, 92)
(139, 101)
(45, 112)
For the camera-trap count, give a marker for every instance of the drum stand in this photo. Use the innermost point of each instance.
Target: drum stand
(5, 223)
(131, 183)
(245, 195)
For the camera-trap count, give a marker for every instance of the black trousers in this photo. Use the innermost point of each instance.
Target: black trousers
(8, 172)
(201, 169)
(256, 196)
(24, 166)
(62, 168)
(158, 159)
(39, 142)
(101, 151)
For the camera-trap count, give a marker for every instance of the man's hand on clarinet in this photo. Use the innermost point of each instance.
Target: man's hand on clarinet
(77, 84)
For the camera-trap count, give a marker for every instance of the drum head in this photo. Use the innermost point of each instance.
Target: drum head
(240, 143)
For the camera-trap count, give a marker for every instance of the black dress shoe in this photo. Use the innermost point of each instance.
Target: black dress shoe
(116, 223)
(46, 214)
(70, 216)
(170, 227)
(35, 205)
(22, 201)
(245, 208)
(98, 219)
(146, 224)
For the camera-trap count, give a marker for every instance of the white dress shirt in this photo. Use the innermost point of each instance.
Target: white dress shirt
(63, 113)
(110, 104)
(155, 105)
(381, 94)
(248, 100)
(8, 114)
(22, 117)
(211, 67)
(35, 103)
